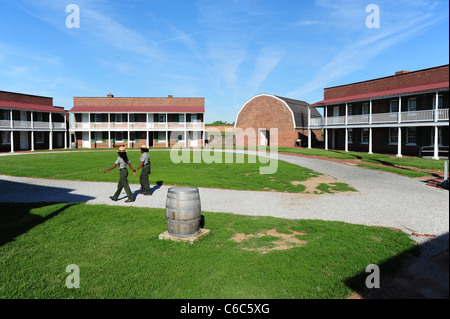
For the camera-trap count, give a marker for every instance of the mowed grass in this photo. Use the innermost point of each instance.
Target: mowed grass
(89, 166)
(412, 162)
(120, 256)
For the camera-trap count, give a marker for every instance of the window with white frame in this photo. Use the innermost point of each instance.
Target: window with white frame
(37, 116)
(39, 137)
(349, 110)
(119, 136)
(132, 118)
(98, 137)
(118, 118)
(440, 101)
(161, 118)
(394, 106)
(4, 115)
(98, 118)
(393, 135)
(194, 118)
(6, 137)
(365, 136)
(439, 136)
(181, 118)
(365, 109)
(350, 135)
(162, 136)
(412, 104)
(411, 135)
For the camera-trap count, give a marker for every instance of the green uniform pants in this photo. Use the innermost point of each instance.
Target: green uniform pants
(123, 183)
(144, 179)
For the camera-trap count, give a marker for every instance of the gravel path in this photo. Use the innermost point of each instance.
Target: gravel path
(383, 199)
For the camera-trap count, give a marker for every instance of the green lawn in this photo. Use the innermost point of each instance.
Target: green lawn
(120, 256)
(414, 162)
(89, 166)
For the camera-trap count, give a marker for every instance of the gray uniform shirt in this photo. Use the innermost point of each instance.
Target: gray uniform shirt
(145, 158)
(121, 163)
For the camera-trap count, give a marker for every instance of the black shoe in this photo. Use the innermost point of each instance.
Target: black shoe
(113, 198)
(129, 201)
(148, 194)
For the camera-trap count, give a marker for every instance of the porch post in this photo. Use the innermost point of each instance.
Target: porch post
(50, 139)
(326, 127)
(65, 131)
(32, 131)
(11, 124)
(309, 127)
(436, 129)
(370, 140)
(436, 143)
(129, 133)
(89, 123)
(399, 142)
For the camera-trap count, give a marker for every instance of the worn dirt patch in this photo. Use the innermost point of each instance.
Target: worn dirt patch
(283, 241)
(313, 182)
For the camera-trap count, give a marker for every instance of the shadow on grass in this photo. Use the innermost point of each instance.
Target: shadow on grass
(16, 220)
(419, 273)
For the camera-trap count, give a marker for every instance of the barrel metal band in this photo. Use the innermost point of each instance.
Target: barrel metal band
(183, 222)
(184, 199)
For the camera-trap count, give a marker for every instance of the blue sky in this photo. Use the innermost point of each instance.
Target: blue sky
(224, 50)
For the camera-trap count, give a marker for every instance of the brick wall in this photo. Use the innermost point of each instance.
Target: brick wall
(266, 112)
(18, 97)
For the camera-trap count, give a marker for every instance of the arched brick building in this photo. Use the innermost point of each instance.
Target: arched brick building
(264, 111)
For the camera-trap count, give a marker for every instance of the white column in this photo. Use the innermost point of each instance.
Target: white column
(109, 130)
(167, 131)
(129, 133)
(436, 107)
(346, 139)
(326, 129)
(146, 129)
(309, 127)
(370, 112)
(11, 125)
(436, 129)
(436, 143)
(50, 139)
(326, 139)
(370, 140)
(399, 142)
(89, 125)
(185, 131)
(32, 131)
(65, 131)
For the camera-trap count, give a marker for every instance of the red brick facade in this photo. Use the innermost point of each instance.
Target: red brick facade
(401, 80)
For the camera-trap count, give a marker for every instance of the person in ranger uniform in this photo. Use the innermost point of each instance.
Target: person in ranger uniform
(146, 170)
(122, 161)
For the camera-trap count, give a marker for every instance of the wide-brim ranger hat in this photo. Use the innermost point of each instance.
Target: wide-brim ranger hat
(143, 146)
(122, 149)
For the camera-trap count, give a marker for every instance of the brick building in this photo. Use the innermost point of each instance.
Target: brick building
(30, 122)
(263, 112)
(402, 114)
(105, 122)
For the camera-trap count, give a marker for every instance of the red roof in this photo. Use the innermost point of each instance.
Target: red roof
(385, 93)
(30, 106)
(138, 105)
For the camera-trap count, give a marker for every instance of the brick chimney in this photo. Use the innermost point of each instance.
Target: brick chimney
(110, 95)
(170, 96)
(401, 72)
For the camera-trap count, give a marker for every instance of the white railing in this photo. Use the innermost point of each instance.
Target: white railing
(417, 116)
(5, 123)
(379, 118)
(134, 125)
(358, 119)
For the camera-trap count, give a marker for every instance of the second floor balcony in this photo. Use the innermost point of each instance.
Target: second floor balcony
(423, 116)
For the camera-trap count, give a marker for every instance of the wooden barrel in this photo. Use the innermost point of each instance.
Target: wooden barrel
(183, 211)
